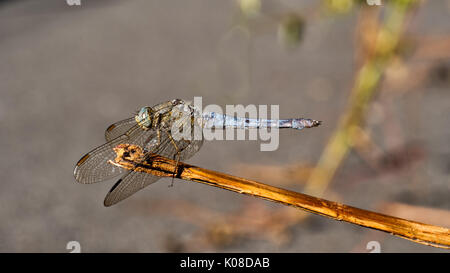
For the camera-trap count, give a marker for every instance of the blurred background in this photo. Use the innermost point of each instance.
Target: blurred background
(377, 76)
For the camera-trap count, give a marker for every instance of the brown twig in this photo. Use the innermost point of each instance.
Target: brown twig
(418, 232)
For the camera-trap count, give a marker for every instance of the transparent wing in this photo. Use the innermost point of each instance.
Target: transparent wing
(119, 128)
(128, 185)
(94, 166)
(132, 182)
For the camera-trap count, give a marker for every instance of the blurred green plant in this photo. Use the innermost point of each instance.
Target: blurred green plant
(338, 6)
(250, 8)
(377, 59)
(290, 30)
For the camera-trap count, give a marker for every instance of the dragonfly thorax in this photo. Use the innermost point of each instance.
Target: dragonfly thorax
(144, 117)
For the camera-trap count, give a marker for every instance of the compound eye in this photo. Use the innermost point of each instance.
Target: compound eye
(177, 101)
(141, 112)
(144, 111)
(126, 154)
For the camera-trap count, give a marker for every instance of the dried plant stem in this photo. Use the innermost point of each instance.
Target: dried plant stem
(415, 231)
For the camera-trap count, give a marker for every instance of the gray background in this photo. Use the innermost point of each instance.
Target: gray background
(66, 73)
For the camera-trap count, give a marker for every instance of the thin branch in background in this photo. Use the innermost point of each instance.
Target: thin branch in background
(368, 78)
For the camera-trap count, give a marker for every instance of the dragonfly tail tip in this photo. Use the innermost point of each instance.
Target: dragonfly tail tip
(316, 123)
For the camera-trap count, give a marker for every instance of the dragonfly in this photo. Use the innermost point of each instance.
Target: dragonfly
(156, 129)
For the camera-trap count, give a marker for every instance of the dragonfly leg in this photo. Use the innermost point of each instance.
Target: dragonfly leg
(158, 135)
(177, 155)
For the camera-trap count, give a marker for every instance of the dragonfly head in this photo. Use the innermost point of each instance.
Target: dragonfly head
(177, 101)
(126, 154)
(144, 117)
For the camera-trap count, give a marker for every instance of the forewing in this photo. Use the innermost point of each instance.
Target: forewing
(119, 128)
(130, 183)
(94, 166)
